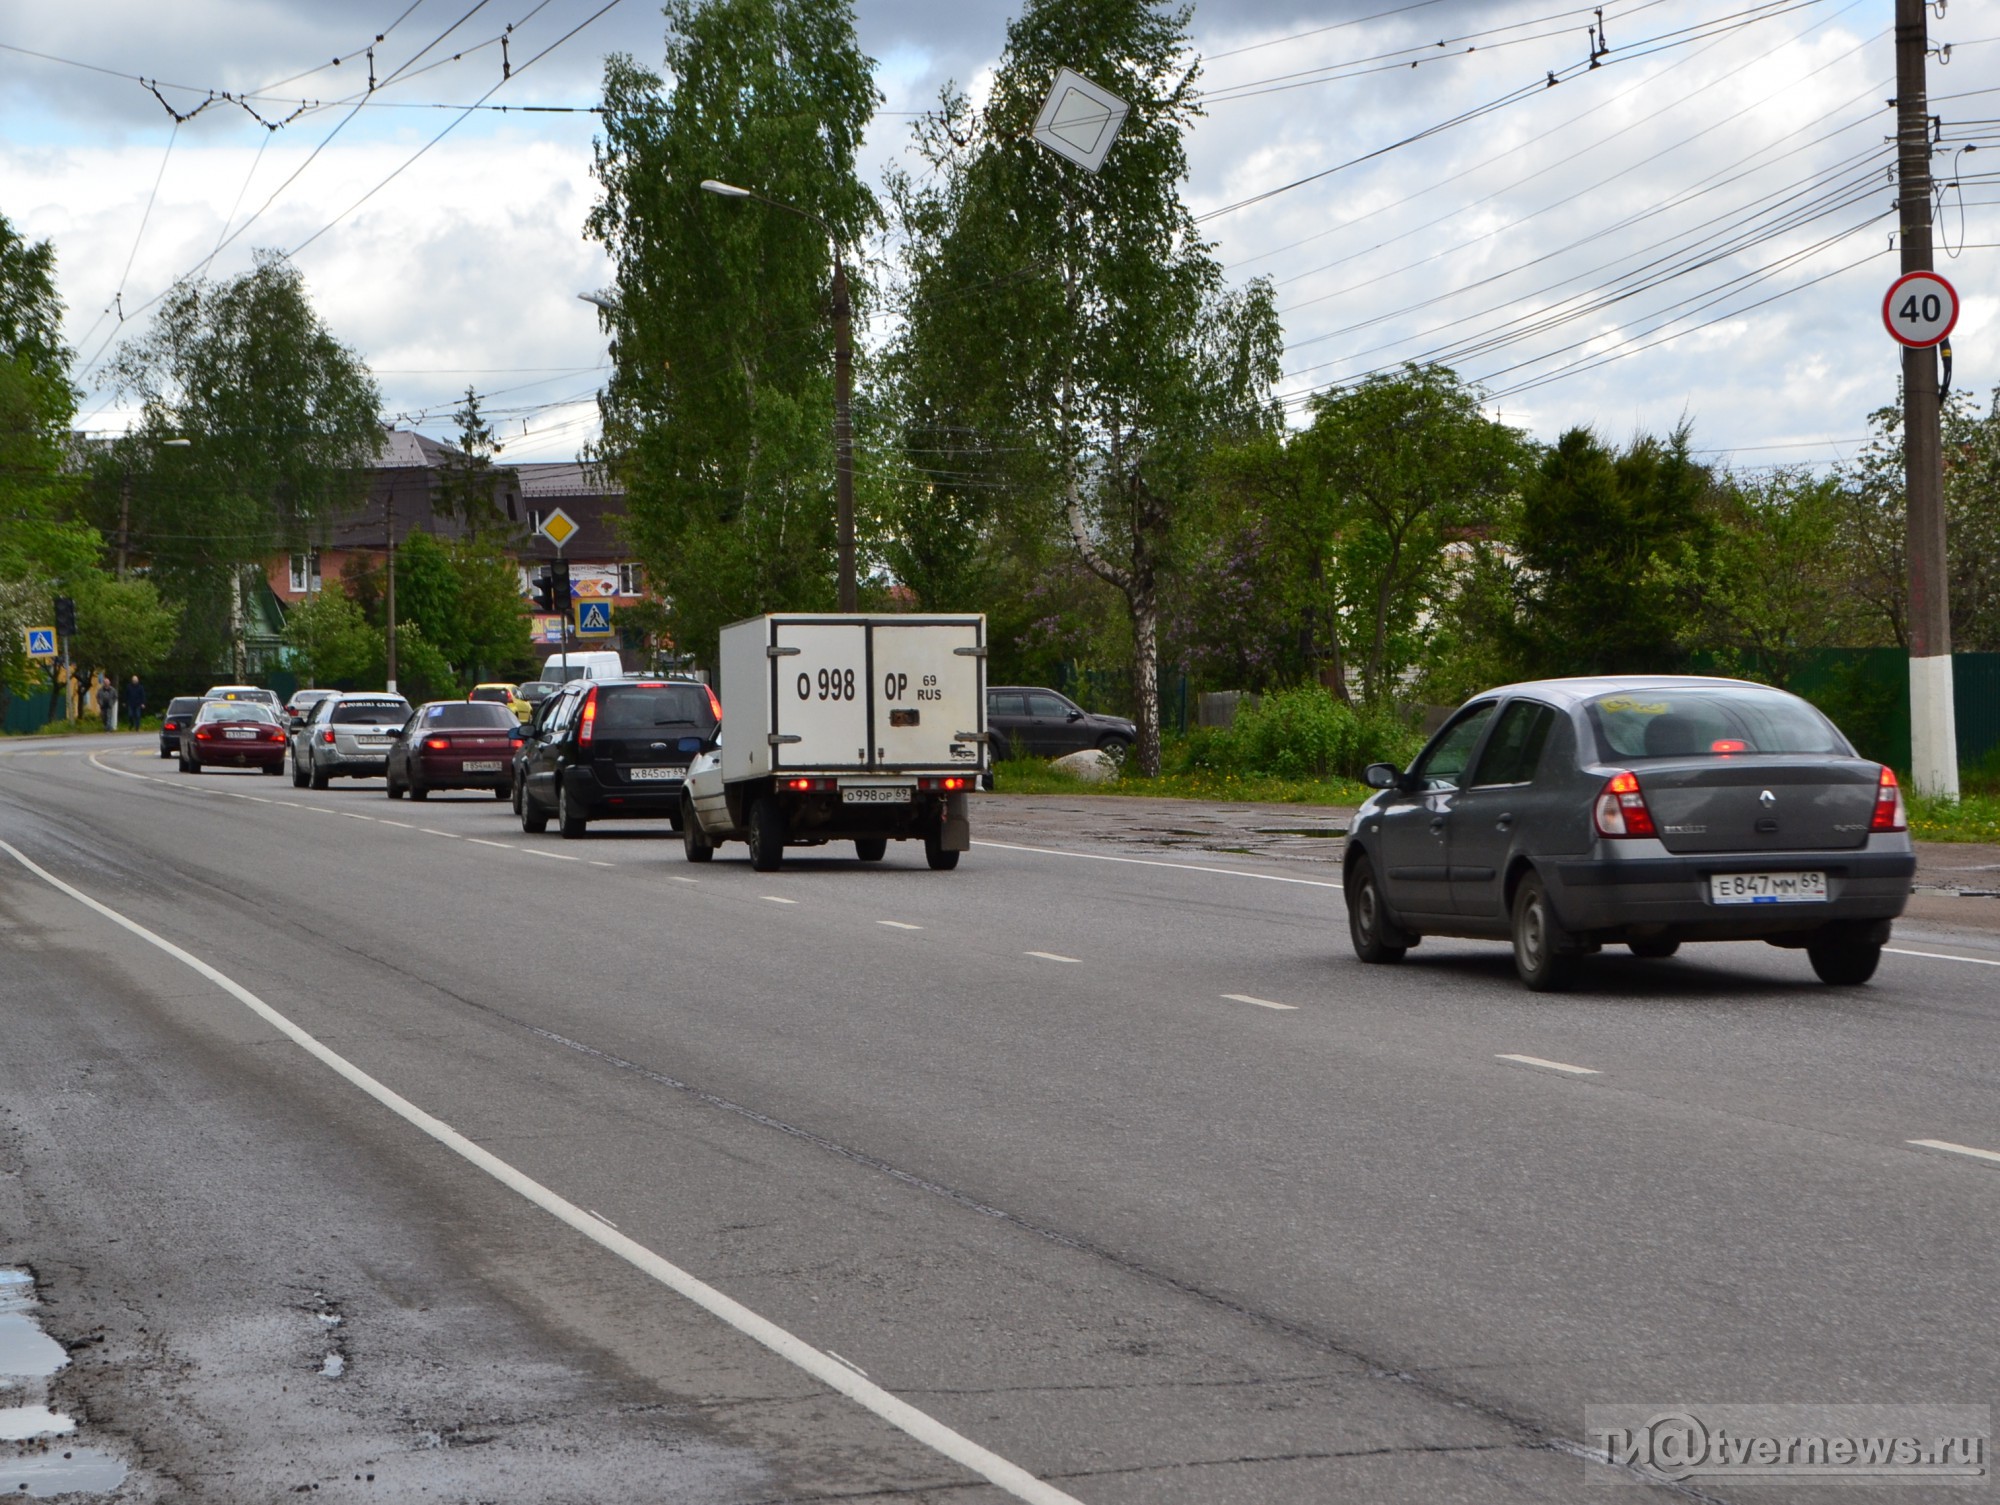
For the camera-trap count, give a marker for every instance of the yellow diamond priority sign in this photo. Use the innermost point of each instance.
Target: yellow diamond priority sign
(558, 527)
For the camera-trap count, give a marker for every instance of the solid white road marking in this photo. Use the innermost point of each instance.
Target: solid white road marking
(1179, 867)
(1050, 956)
(600, 1217)
(1939, 956)
(121, 773)
(898, 925)
(774, 899)
(1553, 1065)
(835, 1374)
(1262, 1003)
(849, 1363)
(1956, 1149)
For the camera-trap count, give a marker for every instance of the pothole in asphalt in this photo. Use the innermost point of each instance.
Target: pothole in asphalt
(1321, 831)
(35, 1456)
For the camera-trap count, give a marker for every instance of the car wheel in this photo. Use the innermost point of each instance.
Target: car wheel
(939, 859)
(1539, 941)
(276, 770)
(164, 753)
(1843, 964)
(694, 840)
(569, 820)
(767, 835)
(871, 848)
(318, 778)
(299, 774)
(1374, 935)
(395, 789)
(533, 820)
(417, 791)
(514, 791)
(502, 792)
(1658, 949)
(1114, 744)
(997, 750)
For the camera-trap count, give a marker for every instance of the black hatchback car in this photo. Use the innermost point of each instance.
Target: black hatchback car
(613, 749)
(1025, 721)
(179, 717)
(1571, 814)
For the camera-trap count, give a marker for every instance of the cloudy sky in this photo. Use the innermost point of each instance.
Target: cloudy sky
(1700, 226)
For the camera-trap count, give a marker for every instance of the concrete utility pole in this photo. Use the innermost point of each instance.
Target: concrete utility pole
(389, 530)
(1933, 717)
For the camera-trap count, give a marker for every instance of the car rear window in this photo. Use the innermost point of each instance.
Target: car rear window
(183, 705)
(495, 693)
(369, 712)
(236, 710)
(468, 713)
(631, 708)
(1710, 722)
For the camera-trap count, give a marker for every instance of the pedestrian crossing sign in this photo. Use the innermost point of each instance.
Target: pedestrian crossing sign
(41, 642)
(593, 619)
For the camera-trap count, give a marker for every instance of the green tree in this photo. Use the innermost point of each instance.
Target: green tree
(42, 551)
(469, 479)
(717, 417)
(281, 420)
(1092, 351)
(334, 643)
(1396, 470)
(122, 625)
(1616, 550)
(464, 597)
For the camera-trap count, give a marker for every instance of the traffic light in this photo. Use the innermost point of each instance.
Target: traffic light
(545, 595)
(65, 617)
(559, 585)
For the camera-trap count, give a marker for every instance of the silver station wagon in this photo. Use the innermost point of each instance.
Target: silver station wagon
(1571, 814)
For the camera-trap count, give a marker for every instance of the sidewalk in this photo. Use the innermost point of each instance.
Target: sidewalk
(1957, 883)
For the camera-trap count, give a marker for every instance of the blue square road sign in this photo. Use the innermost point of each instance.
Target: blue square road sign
(593, 619)
(41, 642)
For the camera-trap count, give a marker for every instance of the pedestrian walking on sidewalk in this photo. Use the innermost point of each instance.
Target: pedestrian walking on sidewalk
(135, 703)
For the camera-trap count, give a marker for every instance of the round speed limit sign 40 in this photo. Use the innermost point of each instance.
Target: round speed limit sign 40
(1921, 308)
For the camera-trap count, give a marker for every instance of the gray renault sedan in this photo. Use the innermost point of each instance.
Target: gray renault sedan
(347, 736)
(1571, 814)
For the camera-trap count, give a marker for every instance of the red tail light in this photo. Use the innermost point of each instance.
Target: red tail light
(950, 784)
(809, 786)
(438, 744)
(202, 734)
(1621, 808)
(714, 704)
(1728, 745)
(587, 732)
(326, 736)
(1889, 813)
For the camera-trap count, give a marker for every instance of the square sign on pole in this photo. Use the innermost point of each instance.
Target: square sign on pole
(593, 619)
(1079, 119)
(41, 642)
(558, 527)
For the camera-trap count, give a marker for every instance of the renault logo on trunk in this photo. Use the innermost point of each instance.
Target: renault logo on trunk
(1767, 799)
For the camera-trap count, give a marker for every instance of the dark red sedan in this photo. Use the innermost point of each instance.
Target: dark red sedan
(455, 744)
(233, 734)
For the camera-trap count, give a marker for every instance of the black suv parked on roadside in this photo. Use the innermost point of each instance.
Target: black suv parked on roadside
(613, 749)
(1027, 721)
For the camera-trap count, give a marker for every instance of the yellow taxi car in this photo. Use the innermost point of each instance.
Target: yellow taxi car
(503, 694)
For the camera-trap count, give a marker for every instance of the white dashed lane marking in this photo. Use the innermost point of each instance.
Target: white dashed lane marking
(1562, 1066)
(1262, 1003)
(1955, 1149)
(898, 925)
(1050, 956)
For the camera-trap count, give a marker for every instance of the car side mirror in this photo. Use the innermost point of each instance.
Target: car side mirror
(1382, 776)
(1075, 714)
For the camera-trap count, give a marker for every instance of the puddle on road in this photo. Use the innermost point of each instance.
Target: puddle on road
(1323, 831)
(35, 1460)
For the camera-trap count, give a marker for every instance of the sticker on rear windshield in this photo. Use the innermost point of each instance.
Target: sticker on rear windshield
(1626, 703)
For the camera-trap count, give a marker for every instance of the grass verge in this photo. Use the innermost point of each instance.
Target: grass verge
(1033, 776)
(1976, 817)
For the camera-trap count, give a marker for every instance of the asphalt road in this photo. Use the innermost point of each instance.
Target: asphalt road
(1109, 1168)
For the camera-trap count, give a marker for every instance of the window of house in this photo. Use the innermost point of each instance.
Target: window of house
(534, 520)
(630, 581)
(305, 573)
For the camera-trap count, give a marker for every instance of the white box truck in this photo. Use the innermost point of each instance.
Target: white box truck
(861, 728)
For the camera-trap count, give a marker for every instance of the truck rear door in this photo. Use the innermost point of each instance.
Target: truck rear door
(820, 705)
(929, 688)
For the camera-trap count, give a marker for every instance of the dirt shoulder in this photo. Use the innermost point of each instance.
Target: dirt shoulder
(1957, 883)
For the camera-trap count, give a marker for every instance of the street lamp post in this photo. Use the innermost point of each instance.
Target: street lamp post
(843, 384)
